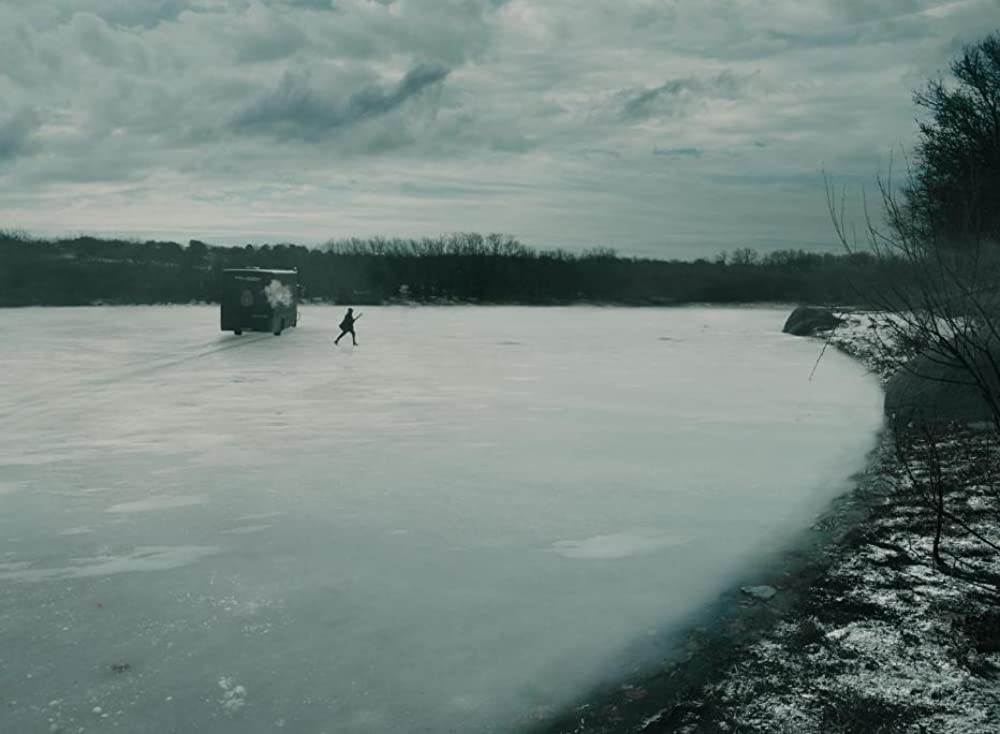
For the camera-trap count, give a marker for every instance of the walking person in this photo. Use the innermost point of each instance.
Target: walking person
(347, 326)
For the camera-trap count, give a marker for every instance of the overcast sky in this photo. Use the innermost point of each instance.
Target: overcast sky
(672, 128)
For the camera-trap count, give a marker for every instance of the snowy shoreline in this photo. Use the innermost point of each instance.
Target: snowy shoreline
(849, 628)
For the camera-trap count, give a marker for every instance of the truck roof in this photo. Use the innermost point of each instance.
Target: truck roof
(261, 271)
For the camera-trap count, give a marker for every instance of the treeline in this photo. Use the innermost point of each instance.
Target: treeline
(467, 268)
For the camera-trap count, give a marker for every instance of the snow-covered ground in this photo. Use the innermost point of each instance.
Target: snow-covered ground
(467, 518)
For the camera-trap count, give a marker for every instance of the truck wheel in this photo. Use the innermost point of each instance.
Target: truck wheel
(238, 332)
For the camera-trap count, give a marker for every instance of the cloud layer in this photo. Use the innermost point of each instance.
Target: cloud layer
(661, 127)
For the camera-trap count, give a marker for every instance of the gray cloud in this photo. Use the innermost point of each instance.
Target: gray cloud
(93, 36)
(16, 133)
(141, 14)
(679, 152)
(863, 11)
(299, 108)
(312, 4)
(374, 101)
(675, 96)
(527, 117)
(272, 37)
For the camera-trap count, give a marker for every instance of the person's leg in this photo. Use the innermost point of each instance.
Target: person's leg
(354, 339)
(337, 340)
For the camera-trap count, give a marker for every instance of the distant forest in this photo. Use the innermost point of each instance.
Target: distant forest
(461, 268)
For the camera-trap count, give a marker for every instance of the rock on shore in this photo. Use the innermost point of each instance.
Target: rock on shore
(810, 320)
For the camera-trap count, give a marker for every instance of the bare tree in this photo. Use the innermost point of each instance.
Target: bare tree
(956, 187)
(937, 297)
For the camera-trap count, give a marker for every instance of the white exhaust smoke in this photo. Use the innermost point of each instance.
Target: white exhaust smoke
(278, 294)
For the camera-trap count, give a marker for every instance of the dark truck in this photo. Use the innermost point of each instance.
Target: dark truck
(255, 299)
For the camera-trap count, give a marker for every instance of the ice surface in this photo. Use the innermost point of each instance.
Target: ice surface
(153, 558)
(151, 504)
(465, 520)
(620, 545)
(245, 529)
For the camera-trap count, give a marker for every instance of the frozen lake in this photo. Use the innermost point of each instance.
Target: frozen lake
(453, 527)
